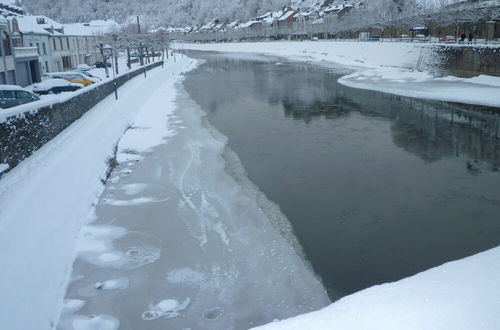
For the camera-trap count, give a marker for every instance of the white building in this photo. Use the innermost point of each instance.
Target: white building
(61, 47)
(34, 31)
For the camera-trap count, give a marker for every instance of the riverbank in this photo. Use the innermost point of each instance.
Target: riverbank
(46, 199)
(404, 69)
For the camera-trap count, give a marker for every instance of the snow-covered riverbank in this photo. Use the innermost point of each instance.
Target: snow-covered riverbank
(396, 68)
(46, 199)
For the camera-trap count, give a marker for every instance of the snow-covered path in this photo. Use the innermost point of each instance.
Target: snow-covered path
(46, 199)
(382, 66)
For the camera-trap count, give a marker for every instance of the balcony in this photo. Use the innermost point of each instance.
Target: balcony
(26, 51)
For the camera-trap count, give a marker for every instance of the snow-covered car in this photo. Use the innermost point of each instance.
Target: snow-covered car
(12, 95)
(91, 76)
(83, 67)
(315, 39)
(404, 37)
(55, 86)
(71, 76)
(448, 39)
(420, 38)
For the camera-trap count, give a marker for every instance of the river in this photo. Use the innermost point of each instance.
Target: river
(377, 187)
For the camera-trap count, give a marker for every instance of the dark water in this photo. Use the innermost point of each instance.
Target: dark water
(377, 187)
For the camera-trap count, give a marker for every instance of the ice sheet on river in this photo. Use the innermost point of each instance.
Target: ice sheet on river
(198, 251)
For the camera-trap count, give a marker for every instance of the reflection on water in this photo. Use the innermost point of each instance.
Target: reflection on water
(377, 186)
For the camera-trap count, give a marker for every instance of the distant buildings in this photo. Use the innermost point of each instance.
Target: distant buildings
(34, 45)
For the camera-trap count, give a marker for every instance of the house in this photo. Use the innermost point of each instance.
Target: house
(304, 18)
(19, 65)
(251, 25)
(83, 39)
(27, 32)
(333, 13)
(287, 17)
(8, 9)
(7, 68)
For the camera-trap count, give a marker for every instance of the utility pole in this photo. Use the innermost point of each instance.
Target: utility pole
(138, 26)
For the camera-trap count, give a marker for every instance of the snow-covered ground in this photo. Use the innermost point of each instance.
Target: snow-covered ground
(382, 66)
(459, 295)
(47, 198)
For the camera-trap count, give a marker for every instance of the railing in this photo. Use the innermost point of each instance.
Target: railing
(26, 51)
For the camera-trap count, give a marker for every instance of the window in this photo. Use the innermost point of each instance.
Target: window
(22, 95)
(67, 42)
(44, 49)
(38, 48)
(7, 95)
(46, 66)
(60, 43)
(6, 43)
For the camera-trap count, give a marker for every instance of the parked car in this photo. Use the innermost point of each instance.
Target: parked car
(374, 38)
(315, 39)
(404, 37)
(448, 39)
(55, 86)
(91, 76)
(12, 95)
(83, 67)
(101, 64)
(71, 76)
(420, 38)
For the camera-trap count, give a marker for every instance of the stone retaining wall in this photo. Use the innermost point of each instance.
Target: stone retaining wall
(21, 135)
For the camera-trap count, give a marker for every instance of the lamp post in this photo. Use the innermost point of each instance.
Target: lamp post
(108, 51)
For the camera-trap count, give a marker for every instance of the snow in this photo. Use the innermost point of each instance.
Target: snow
(46, 199)
(46, 100)
(458, 295)
(12, 88)
(480, 90)
(381, 66)
(3, 167)
(214, 245)
(95, 27)
(56, 82)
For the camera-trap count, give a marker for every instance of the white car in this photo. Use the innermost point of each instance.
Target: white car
(55, 86)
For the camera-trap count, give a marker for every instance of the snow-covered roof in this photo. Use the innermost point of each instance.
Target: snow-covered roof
(289, 13)
(12, 88)
(37, 24)
(91, 28)
(248, 24)
(8, 8)
(233, 24)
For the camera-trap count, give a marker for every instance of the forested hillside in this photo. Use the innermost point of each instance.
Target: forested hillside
(163, 12)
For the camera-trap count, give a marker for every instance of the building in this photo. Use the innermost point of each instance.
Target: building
(28, 31)
(287, 18)
(19, 65)
(61, 47)
(82, 39)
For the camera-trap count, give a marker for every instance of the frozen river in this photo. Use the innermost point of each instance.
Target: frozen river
(377, 187)
(278, 191)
